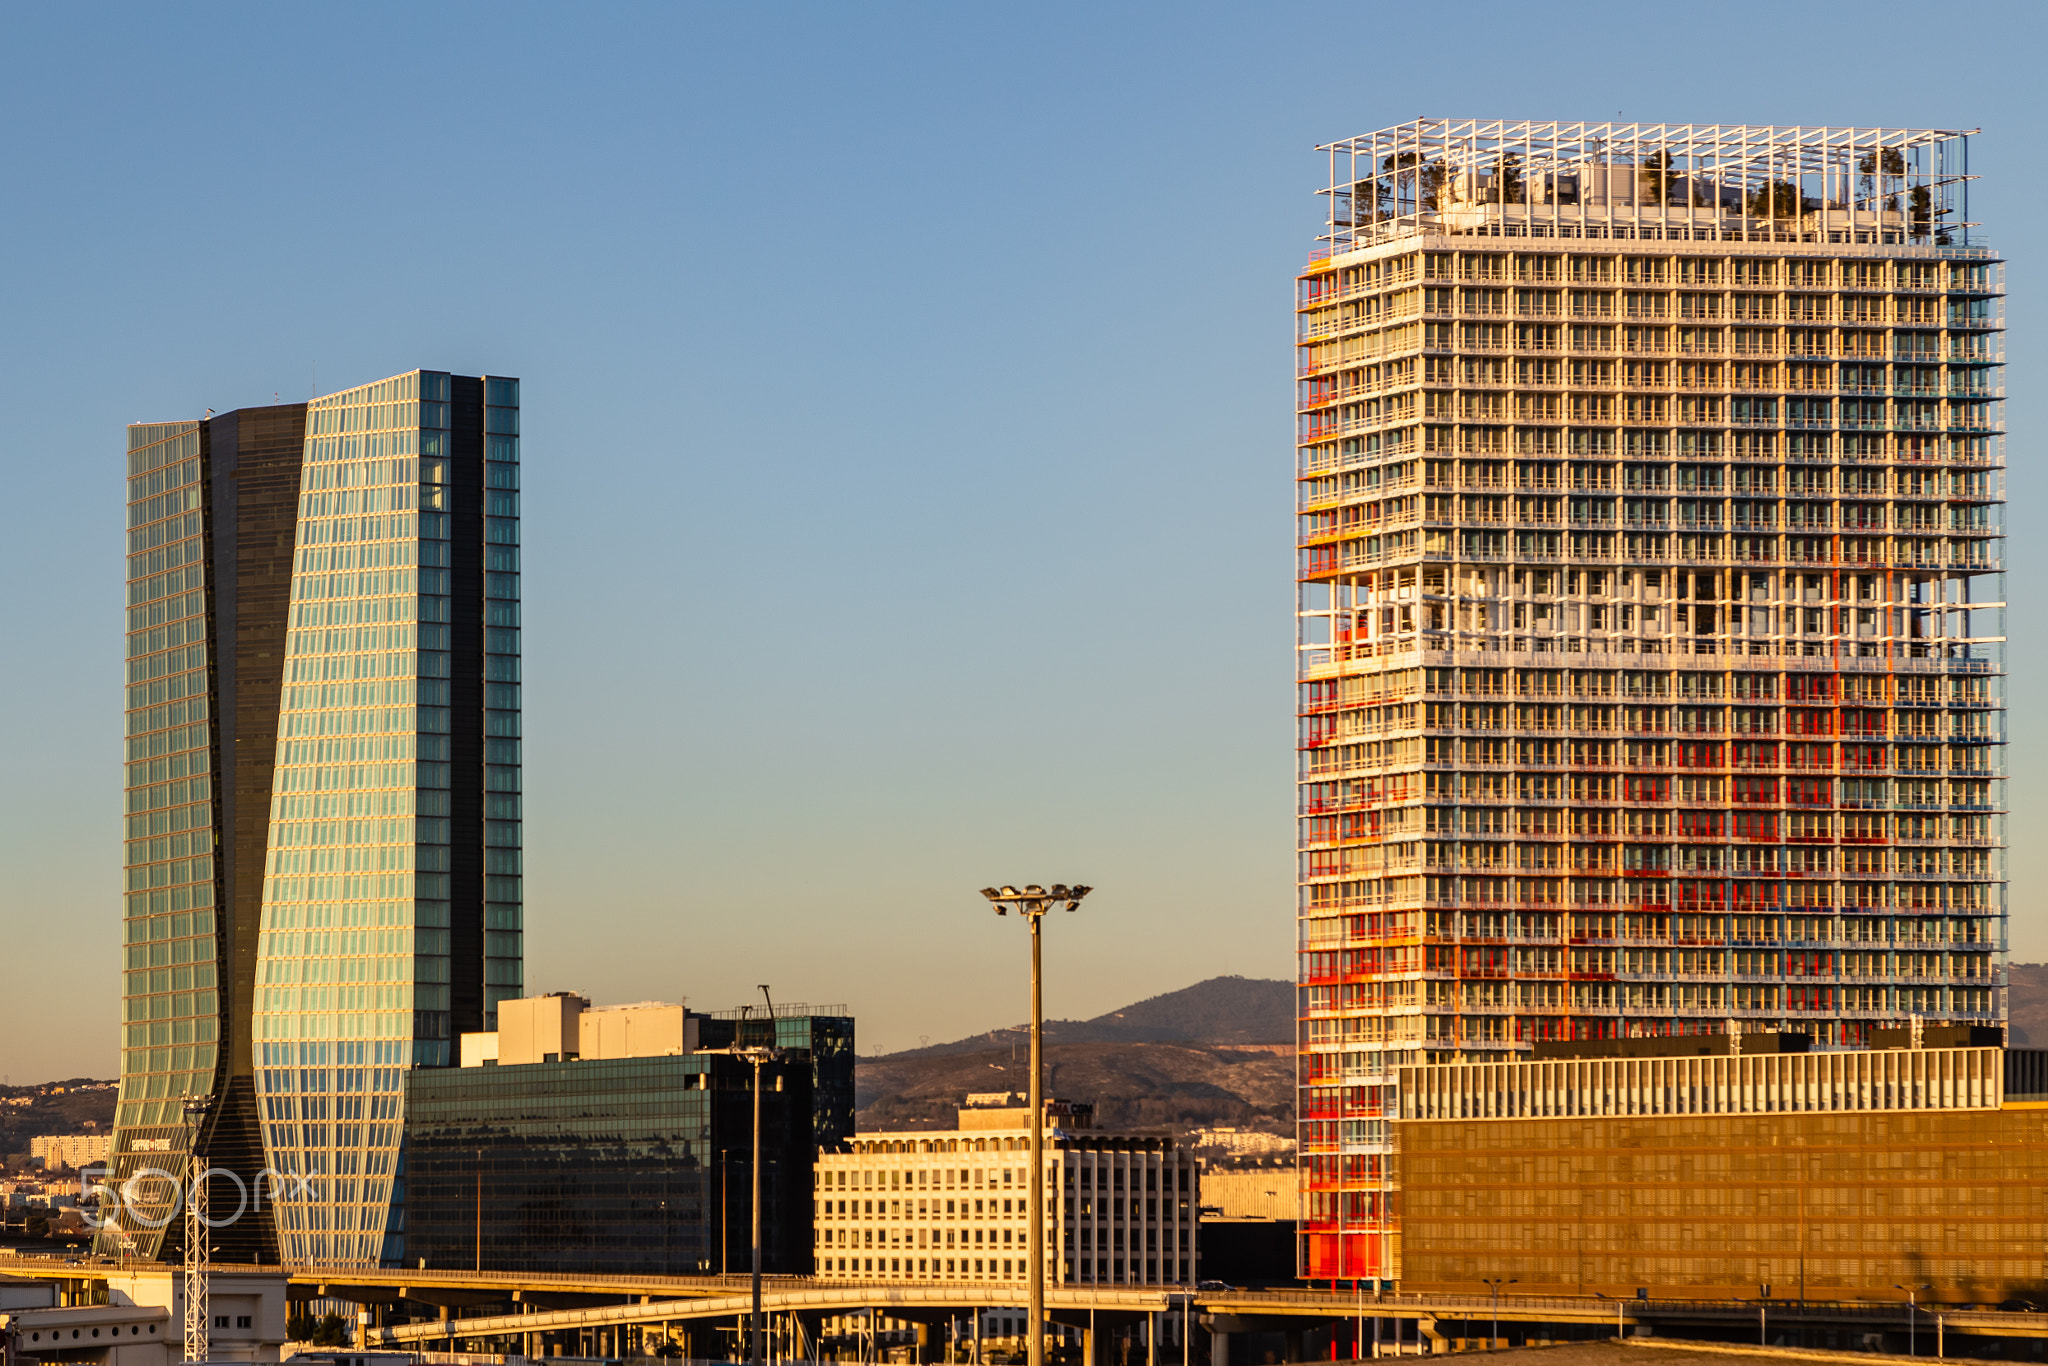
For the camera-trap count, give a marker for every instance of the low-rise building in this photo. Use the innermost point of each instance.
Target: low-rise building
(620, 1140)
(140, 1324)
(952, 1205)
(1250, 1212)
(1696, 1168)
(1251, 1192)
(70, 1150)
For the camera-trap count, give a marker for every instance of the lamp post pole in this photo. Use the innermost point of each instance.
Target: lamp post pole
(1032, 902)
(759, 1056)
(1495, 1286)
(1912, 1313)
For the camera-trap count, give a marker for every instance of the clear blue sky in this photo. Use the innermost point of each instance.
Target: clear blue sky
(908, 412)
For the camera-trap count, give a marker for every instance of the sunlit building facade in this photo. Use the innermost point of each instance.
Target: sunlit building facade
(211, 509)
(391, 908)
(323, 881)
(1651, 485)
(927, 1206)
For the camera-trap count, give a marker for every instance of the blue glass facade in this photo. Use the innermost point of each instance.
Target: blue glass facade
(391, 894)
(171, 1001)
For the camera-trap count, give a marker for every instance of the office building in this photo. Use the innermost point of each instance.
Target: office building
(1250, 1220)
(1831, 1176)
(323, 792)
(1251, 1193)
(1650, 682)
(949, 1206)
(70, 1150)
(613, 1141)
(136, 1320)
(823, 1034)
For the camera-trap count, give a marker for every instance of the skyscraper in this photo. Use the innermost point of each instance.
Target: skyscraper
(1650, 674)
(357, 560)
(211, 506)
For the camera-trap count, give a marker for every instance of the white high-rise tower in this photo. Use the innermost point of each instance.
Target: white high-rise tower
(1650, 668)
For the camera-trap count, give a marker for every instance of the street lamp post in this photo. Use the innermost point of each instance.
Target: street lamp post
(754, 1320)
(759, 1056)
(1912, 1313)
(1495, 1285)
(1032, 902)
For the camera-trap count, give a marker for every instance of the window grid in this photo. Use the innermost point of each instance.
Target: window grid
(1650, 625)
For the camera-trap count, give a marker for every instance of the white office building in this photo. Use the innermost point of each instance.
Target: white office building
(951, 1205)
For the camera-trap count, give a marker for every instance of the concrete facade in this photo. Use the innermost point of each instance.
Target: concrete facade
(1822, 1177)
(946, 1206)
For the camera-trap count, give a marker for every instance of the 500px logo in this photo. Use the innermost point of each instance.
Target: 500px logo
(152, 1197)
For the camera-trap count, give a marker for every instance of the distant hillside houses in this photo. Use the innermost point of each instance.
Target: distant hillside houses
(1239, 1142)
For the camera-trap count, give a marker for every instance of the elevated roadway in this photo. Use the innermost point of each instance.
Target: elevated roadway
(1230, 1310)
(570, 1302)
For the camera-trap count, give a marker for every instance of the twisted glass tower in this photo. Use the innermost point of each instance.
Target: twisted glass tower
(391, 907)
(322, 800)
(211, 510)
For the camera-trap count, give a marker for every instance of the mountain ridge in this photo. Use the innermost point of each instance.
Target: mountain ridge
(1176, 1086)
(1221, 1010)
(2026, 1005)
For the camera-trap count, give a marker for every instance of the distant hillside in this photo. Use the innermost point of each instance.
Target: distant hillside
(2027, 1005)
(55, 1108)
(1139, 1085)
(1220, 1010)
(1165, 1062)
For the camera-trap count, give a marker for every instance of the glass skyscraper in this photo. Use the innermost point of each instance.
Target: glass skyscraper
(211, 506)
(362, 710)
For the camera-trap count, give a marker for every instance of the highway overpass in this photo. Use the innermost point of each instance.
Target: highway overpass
(455, 1309)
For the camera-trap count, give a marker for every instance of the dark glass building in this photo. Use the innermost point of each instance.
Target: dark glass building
(635, 1164)
(825, 1034)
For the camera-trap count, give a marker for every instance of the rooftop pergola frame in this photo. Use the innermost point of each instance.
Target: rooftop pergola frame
(1675, 181)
